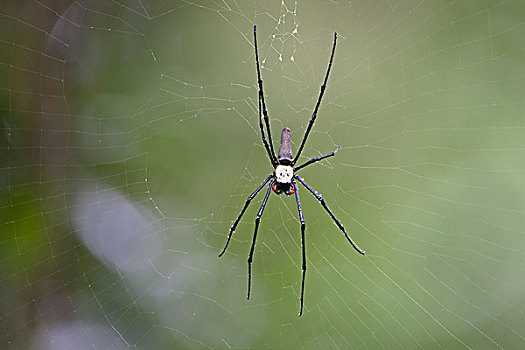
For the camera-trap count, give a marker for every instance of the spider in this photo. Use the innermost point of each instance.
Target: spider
(283, 178)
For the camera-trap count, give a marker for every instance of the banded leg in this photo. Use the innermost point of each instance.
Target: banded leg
(337, 222)
(250, 197)
(270, 150)
(314, 115)
(257, 220)
(303, 246)
(315, 160)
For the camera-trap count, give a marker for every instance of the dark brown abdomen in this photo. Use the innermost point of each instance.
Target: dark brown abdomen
(285, 151)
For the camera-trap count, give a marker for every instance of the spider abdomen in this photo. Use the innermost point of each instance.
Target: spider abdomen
(285, 150)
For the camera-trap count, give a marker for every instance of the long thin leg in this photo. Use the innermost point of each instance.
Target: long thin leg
(315, 160)
(265, 143)
(250, 197)
(257, 220)
(314, 115)
(303, 246)
(337, 222)
(270, 150)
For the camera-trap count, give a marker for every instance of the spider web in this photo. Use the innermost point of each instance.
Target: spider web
(130, 143)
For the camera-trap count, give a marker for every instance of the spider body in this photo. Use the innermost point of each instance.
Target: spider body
(284, 171)
(284, 179)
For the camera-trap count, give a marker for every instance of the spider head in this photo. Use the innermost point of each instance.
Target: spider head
(283, 180)
(279, 188)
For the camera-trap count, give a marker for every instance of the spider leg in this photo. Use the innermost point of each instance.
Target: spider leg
(303, 246)
(269, 148)
(257, 220)
(337, 222)
(250, 197)
(314, 115)
(265, 143)
(315, 160)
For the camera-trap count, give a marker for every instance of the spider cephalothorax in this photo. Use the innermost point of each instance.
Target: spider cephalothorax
(282, 179)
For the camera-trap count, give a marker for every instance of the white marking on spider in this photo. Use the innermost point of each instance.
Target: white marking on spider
(284, 174)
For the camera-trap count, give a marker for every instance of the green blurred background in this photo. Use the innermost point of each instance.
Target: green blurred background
(130, 143)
